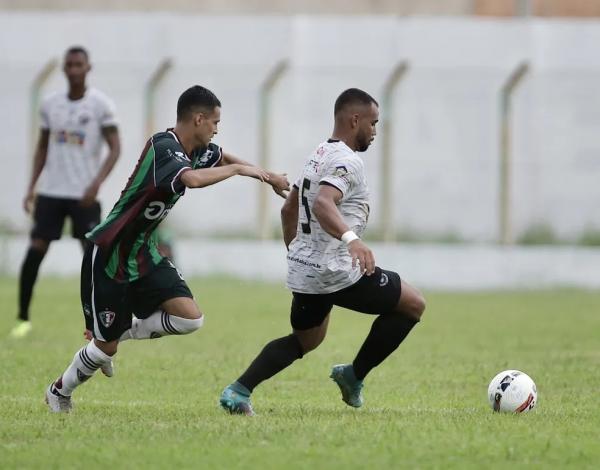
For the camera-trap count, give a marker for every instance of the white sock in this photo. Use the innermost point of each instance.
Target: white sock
(85, 362)
(159, 324)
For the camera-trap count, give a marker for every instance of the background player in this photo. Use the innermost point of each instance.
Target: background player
(328, 264)
(69, 164)
(122, 270)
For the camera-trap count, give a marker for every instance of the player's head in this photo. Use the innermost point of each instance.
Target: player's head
(356, 112)
(199, 108)
(76, 65)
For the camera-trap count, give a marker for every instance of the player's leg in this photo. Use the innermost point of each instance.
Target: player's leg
(48, 223)
(163, 305)
(389, 330)
(106, 316)
(83, 219)
(399, 307)
(309, 318)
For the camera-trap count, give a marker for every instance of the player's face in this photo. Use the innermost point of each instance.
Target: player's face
(366, 127)
(76, 67)
(207, 125)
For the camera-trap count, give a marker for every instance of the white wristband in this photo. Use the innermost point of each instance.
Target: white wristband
(349, 236)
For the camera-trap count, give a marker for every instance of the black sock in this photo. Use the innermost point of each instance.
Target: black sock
(29, 272)
(387, 332)
(275, 356)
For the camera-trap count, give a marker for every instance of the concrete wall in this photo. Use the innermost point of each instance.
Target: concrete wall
(445, 116)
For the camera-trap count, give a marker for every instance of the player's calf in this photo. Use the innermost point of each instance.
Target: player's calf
(161, 324)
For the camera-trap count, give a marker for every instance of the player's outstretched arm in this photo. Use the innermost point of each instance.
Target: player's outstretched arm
(289, 217)
(208, 176)
(278, 181)
(111, 136)
(39, 160)
(325, 210)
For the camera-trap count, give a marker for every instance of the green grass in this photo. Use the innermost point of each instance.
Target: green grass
(426, 406)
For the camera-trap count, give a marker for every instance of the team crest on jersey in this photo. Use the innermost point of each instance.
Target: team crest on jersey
(340, 171)
(383, 280)
(206, 156)
(107, 318)
(84, 119)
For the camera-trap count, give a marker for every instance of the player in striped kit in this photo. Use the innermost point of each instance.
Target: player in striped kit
(122, 270)
(323, 219)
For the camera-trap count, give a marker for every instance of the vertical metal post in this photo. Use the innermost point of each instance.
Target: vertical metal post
(506, 236)
(264, 147)
(155, 80)
(35, 97)
(387, 106)
(524, 8)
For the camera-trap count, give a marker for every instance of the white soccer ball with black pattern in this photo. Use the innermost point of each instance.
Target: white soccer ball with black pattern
(512, 391)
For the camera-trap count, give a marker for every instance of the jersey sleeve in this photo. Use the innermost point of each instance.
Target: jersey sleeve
(107, 113)
(209, 157)
(340, 173)
(169, 164)
(45, 115)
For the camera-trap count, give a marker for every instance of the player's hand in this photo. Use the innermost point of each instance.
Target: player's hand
(363, 256)
(280, 184)
(89, 197)
(28, 202)
(253, 172)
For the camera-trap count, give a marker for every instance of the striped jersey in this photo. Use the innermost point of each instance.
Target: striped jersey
(317, 262)
(127, 237)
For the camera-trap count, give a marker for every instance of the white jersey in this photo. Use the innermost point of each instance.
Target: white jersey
(317, 262)
(75, 142)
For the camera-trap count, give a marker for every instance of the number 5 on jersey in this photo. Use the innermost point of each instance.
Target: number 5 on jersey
(305, 187)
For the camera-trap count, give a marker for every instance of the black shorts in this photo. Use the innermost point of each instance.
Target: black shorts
(375, 294)
(108, 305)
(50, 213)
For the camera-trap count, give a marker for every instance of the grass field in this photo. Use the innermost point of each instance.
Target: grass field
(426, 406)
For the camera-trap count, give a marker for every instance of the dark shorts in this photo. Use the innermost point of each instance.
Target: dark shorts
(376, 294)
(50, 213)
(108, 305)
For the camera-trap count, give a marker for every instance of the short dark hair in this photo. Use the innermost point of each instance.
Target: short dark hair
(193, 98)
(350, 97)
(78, 50)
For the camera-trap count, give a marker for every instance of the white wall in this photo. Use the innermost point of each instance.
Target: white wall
(445, 138)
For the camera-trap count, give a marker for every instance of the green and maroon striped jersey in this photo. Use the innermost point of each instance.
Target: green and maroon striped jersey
(127, 236)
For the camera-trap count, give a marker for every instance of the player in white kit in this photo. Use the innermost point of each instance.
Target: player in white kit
(323, 219)
(70, 166)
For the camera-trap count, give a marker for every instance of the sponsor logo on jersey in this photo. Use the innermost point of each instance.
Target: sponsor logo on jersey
(314, 164)
(67, 137)
(107, 317)
(156, 210)
(383, 280)
(84, 119)
(179, 156)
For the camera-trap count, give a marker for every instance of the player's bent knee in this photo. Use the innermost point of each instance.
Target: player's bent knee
(185, 326)
(412, 306)
(107, 347)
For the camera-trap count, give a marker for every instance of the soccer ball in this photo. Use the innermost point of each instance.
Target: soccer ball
(512, 391)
